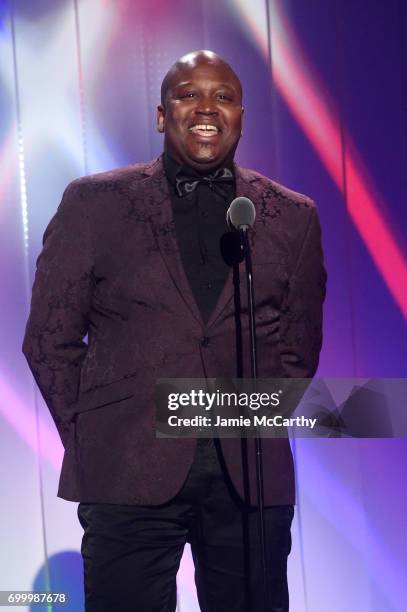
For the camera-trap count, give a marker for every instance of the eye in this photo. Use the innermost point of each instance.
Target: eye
(188, 94)
(224, 97)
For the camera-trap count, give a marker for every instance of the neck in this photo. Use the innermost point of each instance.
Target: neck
(198, 169)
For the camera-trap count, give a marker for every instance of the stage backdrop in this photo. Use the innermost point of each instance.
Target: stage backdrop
(325, 96)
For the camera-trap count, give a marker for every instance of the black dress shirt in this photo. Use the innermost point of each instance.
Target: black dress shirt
(200, 222)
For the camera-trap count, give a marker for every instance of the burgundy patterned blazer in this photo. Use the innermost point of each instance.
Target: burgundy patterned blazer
(110, 268)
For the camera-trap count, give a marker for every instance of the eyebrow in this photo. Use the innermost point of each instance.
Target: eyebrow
(185, 83)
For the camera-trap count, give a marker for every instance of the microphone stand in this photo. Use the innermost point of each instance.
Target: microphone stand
(258, 447)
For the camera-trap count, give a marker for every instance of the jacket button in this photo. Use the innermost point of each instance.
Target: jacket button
(205, 341)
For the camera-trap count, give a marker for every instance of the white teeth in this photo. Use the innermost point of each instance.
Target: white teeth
(205, 127)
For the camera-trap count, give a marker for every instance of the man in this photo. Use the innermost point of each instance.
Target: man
(132, 258)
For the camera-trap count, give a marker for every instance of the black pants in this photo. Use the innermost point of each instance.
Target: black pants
(132, 554)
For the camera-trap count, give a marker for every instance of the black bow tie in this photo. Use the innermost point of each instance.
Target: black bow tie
(218, 181)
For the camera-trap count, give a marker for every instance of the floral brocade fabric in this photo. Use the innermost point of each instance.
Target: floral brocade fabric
(110, 270)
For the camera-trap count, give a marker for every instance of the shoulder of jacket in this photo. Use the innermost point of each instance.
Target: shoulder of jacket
(88, 189)
(109, 178)
(270, 189)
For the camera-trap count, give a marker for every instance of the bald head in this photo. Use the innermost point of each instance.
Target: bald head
(193, 60)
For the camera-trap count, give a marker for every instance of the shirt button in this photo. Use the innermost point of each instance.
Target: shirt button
(205, 341)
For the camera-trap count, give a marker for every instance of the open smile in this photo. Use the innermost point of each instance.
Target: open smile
(206, 130)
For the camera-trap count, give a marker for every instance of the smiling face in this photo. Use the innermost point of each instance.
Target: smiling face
(201, 111)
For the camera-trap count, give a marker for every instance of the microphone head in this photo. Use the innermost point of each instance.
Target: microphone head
(241, 213)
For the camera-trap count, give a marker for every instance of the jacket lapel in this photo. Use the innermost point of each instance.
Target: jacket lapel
(157, 201)
(244, 187)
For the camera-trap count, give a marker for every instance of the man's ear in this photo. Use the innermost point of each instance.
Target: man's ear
(241, 131)
(160, 118)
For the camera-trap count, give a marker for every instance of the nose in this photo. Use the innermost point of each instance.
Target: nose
(205, 106)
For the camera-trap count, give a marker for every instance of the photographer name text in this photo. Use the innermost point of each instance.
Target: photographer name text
(241, 421)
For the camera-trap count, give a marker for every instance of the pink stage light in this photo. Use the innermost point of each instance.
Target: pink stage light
(22, 419)
(319, 120)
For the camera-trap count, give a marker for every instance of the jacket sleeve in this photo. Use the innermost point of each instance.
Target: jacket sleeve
(301, 324)
(53, 343)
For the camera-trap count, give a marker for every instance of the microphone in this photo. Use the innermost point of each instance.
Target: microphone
(241, 214)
